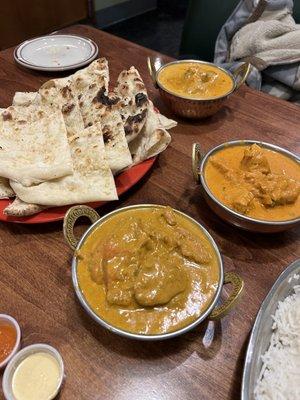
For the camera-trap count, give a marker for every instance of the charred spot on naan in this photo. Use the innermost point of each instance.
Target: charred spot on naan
(66, 92)
(108, 134)
(134, 123)
(141, 99)
(67, 108)
(6, 116)
(101, 97)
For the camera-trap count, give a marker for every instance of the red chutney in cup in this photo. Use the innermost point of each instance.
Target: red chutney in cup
(8, 338)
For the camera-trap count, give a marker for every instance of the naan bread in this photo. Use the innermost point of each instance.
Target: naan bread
(166, 122)
(20, 209)
(5, 189)
(134, 102)
(96, 106)
(88, 110)
(32, 153)
(116, 147)
(26, 98)
(92, 179)
(14, 118)
(91, 87)
(59, 94)
(54, 94)
(153, 139)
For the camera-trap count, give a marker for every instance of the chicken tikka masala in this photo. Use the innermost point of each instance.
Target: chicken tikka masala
(195, 80)
(255, 181)
(148, 270)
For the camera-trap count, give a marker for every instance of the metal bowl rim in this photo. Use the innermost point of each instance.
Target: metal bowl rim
(137, 336)
(294, 266)
(200, 100)
(237, 215)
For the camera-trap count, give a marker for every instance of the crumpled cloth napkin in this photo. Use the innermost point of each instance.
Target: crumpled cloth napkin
(265, 34)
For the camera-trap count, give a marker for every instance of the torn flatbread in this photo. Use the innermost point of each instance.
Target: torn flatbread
(96, 106)
(5, 189)
(167, 123)
(91, 87)
(116, 147)
(54, 94)
(152, 140)
(88, 109)
(134, 102)
(32, 153)
(59, 94)
(92, 179)
(26, 99)
(20, 209)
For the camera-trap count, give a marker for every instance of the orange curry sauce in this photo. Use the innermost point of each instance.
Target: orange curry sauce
(8, 337)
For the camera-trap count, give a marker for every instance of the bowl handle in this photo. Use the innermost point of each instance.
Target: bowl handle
(71, 217)
(238, 286)
(152, 71)
(241, 73)
(196, 160)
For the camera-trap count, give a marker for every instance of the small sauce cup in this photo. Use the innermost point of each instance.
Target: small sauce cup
(8, 326)
(20, 357)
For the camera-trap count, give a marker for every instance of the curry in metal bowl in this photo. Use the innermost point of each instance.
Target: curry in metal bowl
(193, 88)
(195, 80)
(148, 271)
(255, 181)
(253, 185)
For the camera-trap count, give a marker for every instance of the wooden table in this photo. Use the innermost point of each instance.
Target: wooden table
(35, 283)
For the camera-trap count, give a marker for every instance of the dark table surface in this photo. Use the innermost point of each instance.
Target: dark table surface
(35, 275)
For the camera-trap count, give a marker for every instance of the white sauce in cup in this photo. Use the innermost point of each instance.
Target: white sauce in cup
(37, 377)
(34, 373)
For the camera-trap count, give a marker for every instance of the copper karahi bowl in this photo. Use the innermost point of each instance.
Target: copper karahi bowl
(213, 312)
(235, 218)
(196, 108)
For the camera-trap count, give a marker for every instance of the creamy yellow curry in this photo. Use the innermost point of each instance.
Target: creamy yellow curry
(148, 271)
(255, 181)
(194, 80)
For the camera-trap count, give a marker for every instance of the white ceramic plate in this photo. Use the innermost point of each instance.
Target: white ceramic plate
(56, 52)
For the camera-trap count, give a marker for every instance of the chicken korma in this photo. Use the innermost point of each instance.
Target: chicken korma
(195, 80)
(148, 271)
(255, 181)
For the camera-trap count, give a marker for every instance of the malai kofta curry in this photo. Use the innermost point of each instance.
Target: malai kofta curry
(195, 80)
(255, 181)
(148, 270)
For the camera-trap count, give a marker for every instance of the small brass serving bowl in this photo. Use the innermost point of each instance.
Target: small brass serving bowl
(196, 108)
(212, 312)
(199, 162)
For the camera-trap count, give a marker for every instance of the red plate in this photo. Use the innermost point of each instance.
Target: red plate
(124, 182)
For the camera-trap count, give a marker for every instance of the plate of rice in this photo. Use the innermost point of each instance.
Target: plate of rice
(272, 364)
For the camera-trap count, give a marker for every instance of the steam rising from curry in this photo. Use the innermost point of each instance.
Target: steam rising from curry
(255, 181)
(195, 80)
(148, 271)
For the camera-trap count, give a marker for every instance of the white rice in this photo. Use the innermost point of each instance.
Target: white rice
(279, 377)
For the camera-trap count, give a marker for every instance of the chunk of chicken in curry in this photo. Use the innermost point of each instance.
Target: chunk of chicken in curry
(255, 181)
(148, 271)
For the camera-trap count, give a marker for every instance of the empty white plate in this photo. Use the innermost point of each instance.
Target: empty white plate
(56, 52)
